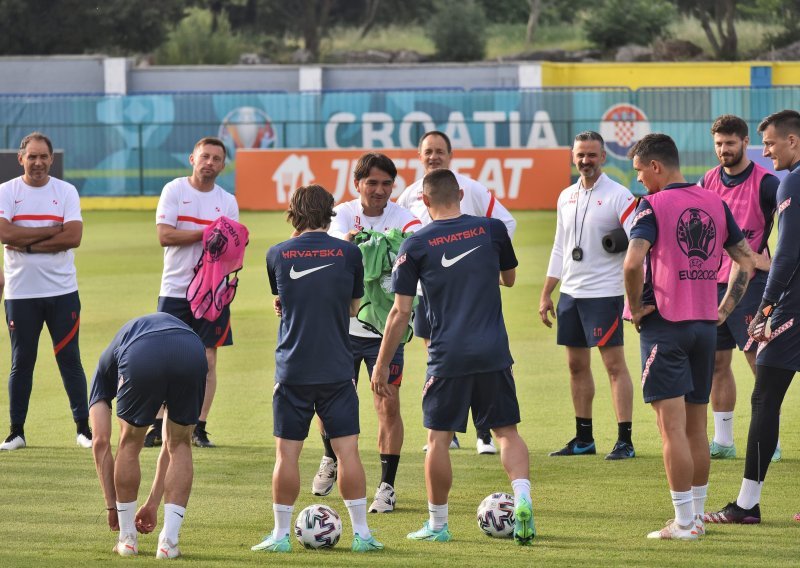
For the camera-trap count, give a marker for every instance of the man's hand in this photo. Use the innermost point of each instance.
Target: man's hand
(639, 313)
(760, 328)
(350, 235)
(113, 519)
(380, 381)
(546, 307)
(276, 305)
(146, 518)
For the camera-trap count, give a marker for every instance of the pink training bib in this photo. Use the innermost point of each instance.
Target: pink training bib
(212, 288)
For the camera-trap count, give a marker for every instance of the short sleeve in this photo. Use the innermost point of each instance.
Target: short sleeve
(340, 223)
(167, 210)
(358, 265)
(405, 272)
(233, 208)
(72, 204)
(6, 202)
(508, 259)
(644, 223)
(273, 280)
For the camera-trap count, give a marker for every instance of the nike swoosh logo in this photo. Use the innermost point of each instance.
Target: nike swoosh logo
(177, 513)
(581, 449)
(18, 202)
(448, 262)
(185, 202)
(726, 419)
(295, 274)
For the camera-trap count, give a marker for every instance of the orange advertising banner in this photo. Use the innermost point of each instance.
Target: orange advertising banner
(521, 178)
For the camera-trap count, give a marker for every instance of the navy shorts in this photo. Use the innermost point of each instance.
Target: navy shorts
(422, 327)
(677, 359)
(733, 333)
(783, 348)
(589, 322)
(366, 349)
(446, 401)
(168, 368)
(214, 334)
(293, 408)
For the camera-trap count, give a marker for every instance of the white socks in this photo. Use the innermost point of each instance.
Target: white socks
(437, 516)
(126, 513)
(283, 520)
(358, 516)
(749, 494)
(173, 519)
(522, 488)
(683, 503)
(699, 494)
(723, 428)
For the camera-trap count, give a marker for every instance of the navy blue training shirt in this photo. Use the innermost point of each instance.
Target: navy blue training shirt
(781, 284)
(106, 376)
(316, 277)
(458, 261)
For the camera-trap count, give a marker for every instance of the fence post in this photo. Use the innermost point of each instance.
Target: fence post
(141, 161)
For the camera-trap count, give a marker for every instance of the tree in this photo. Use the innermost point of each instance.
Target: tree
(614, 23)
(533, 20)
(718, 20)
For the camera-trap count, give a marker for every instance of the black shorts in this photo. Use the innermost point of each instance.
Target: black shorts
(677, 359)
(422, 327)
(589, 322)
(366, 349)
(293, 408)
(168, 367)
(733, 333)
(783, 348)
(446, 401)
(214, 334)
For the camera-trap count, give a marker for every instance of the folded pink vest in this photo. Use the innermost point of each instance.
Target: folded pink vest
(685, 258)
(212, 288)
(744, 201)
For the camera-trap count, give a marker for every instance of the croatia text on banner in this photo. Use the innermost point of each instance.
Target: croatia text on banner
(520, 178)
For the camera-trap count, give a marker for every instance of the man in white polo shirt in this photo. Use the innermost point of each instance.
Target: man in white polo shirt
(435, 153)
(591, 301)
(186, 207)
(40, 224)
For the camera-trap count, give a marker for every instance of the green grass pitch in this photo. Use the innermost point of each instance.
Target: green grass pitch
(588, 511)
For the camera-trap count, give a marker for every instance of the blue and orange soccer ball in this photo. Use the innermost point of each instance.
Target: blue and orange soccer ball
(318, 526)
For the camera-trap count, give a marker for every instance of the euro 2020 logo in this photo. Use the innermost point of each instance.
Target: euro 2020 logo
(697, 237)
(247, 127)
(217, 245)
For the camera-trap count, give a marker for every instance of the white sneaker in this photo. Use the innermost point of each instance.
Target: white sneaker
(454, 445)
(13, 442)
(83, 441)
(167, 550)
(486, 447)
(699, 525)
(674, 531)
(326, 477)
(385, 499)
(127, 545)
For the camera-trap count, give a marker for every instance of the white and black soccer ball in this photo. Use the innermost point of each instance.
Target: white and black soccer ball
(496, 515)
(318, 526)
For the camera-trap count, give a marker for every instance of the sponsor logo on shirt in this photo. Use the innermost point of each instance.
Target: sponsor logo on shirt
(448, 262)
(311, 253)
(460, 236)
(295, 274)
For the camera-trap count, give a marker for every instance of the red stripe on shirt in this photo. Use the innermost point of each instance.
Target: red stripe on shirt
(38, 218)
(194, 220)
(224, 335)
(491, 206)
(411, 224)
(627, 213)
(609, 333)
(63, 343)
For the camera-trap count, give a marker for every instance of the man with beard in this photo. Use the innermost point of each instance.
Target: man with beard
(749, 191)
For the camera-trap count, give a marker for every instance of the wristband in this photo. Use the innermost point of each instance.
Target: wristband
(28, 249)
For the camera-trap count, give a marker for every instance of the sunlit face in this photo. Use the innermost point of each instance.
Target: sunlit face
(207, 161)
(588, 157)
(375, 190)
(780, 149)
(730, 149)
(36, 160)
(433, 153)
(646, 174)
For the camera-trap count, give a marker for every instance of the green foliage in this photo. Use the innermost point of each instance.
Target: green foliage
(44, 27)
(193, 42)
(614, 23)
(458, 31)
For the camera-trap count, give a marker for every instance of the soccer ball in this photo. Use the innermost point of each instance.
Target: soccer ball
(496, 515)
(318, 526)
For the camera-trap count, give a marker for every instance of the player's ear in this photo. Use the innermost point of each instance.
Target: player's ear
(460, 194)
(426, 200)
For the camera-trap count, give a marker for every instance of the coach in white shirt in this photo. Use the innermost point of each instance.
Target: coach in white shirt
(591, 300)
(436, 153)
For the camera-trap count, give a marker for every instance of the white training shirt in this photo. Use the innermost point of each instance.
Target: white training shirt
(477, 201)
(606, 206)
(184, 207)
(39, 275)
(350, 215)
